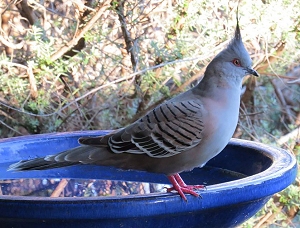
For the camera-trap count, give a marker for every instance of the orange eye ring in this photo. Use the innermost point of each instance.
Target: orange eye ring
(236, 62)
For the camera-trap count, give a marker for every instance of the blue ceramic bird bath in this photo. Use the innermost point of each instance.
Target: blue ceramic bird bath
(240, 180)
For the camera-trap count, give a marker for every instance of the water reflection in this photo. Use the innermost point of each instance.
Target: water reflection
(76, 187)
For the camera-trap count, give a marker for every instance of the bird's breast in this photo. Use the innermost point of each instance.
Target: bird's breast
(220, 120)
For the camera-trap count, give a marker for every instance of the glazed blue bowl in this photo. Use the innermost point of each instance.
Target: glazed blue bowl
(240, 180)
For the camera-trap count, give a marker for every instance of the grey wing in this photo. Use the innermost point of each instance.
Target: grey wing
(169, 129)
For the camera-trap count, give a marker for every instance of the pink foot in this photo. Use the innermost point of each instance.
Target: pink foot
(181, 187)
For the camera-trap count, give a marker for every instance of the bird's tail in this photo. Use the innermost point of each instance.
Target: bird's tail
(70, 157)
(37, 164)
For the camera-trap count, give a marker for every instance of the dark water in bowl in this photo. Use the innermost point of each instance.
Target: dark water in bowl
(43, 187)
(77, 187)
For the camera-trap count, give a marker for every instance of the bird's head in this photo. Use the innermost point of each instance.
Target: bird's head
(234, 61)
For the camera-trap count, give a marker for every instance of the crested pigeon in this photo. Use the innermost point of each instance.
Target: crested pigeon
(180, 134)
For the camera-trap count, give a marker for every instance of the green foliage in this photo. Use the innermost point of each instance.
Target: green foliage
(290, 196)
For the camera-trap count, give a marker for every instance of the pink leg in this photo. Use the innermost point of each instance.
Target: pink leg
(182, 184)
(181, 187)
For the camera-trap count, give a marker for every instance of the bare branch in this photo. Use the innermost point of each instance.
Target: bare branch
(293, 136)
(32, 82)
(126, 34)
(283, 102)
(14, 130)
(60, 187)
(11, 45)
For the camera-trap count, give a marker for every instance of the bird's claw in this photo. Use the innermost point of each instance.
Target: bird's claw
(181, 187)
(181, 190)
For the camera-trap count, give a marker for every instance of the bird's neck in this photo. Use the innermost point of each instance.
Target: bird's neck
(209, 85)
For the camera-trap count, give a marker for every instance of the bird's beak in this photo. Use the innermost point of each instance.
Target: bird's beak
(252, 71)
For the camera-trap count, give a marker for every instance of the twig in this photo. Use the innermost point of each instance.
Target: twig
(243, 110)
(4, 62)
(294, 81)
(59, 14)
(189, 81)
(6, 115)
(126, 34)
(32, 82)
(60, 187)
(81, 6)
(263, 220)
(280, 76)
(11, 45)
(90, 120)
(100, 10)
(152, 9)
(252, 114)
(249, 122)
(14, 130)
(271, 218)
(282, 102)
(271, 58)
(293, 135)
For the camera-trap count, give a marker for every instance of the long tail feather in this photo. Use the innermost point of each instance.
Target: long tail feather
(38, 164)
(70, 157)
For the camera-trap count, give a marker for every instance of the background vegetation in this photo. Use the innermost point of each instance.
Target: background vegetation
(70, 65)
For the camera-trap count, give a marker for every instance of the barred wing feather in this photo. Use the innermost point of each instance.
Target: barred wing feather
(169, 129)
